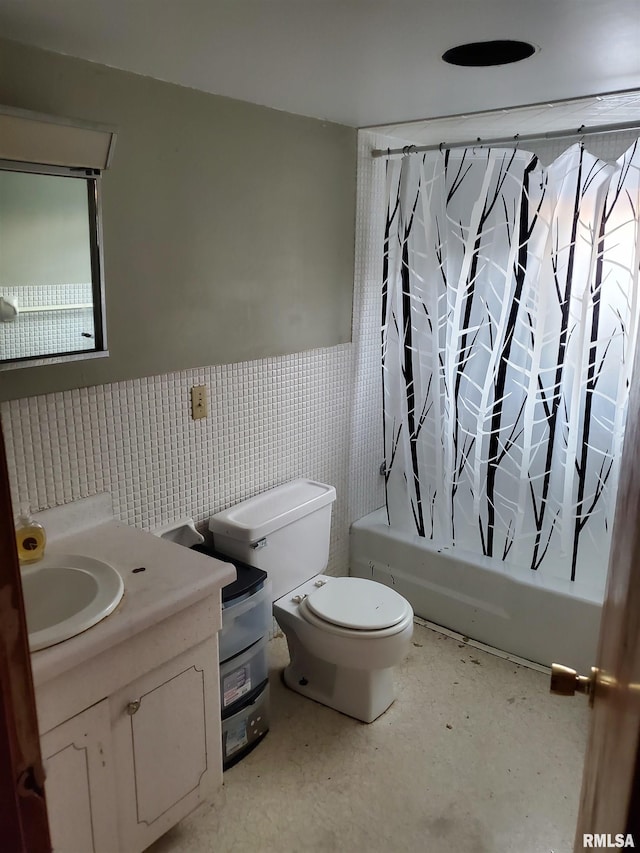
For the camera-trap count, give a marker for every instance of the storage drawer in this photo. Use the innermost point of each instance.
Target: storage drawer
(244, 730)
(241, 674)
(245, 622)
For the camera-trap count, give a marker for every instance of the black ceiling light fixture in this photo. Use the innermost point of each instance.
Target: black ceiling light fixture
(481, 54)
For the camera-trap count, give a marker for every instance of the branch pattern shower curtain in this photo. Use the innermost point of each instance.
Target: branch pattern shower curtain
(510, 315)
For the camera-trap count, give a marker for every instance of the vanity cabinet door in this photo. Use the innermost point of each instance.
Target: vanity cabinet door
(166, 736)
(79, 783)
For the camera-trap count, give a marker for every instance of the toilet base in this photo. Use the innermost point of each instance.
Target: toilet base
(363, 694)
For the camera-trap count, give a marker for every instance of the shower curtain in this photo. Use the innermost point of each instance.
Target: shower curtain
(510, 315)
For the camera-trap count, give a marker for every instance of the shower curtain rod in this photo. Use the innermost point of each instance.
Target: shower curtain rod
(581, 132)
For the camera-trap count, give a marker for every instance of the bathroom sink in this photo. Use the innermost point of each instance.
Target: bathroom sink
(66, 594)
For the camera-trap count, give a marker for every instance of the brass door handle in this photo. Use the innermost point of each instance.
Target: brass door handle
(566, 681)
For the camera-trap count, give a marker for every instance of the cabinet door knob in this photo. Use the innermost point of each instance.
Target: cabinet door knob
(132, 707)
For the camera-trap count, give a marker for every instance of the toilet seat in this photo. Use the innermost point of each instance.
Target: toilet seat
(356, 607)
(329, 628)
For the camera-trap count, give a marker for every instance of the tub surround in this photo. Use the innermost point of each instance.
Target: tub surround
(524, 613)
(129, 710)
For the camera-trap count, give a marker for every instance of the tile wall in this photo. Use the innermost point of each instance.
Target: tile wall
(366, 456)
(269, 421)
(34, 332)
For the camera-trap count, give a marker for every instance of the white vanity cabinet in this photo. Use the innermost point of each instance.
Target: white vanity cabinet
(146, 749)
(129, 710)
(160, 724)
(125, 770)
(79, 785)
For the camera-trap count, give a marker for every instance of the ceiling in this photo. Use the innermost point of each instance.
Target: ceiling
(357, 62)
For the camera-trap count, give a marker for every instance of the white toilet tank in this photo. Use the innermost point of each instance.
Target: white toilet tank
(284, 531)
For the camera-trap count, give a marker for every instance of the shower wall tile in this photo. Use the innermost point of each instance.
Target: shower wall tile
(269, 421)
(607, 146)
(366, 491)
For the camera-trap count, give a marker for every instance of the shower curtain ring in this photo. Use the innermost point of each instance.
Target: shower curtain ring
(581, 130)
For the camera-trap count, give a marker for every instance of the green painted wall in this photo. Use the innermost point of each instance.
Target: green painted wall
(228, 227)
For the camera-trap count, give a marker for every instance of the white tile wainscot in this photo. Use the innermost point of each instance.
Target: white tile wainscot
(129, 711)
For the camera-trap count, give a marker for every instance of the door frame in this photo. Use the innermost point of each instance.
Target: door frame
(23, 811)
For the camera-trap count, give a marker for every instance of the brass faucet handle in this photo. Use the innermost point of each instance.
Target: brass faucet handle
(566, 681)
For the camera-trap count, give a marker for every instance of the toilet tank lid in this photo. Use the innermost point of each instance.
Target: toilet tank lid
(259, 516)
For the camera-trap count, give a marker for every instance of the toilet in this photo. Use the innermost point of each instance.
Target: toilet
(345, 635)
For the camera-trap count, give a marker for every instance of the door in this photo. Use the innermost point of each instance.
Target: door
(610, 798)
(23, 814)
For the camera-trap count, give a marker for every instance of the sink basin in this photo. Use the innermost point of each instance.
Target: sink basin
(66, 594)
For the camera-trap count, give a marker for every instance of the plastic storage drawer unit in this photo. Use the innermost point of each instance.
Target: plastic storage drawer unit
(245, 621)
(246, 607)
(244, 730)
(242, 674)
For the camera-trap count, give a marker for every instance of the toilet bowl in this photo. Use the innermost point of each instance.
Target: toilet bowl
(348, 667)
(345, 635)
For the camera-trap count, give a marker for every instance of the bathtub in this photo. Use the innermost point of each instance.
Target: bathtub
(521, 612)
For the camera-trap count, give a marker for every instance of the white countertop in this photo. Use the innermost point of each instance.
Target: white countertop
(174, 578)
